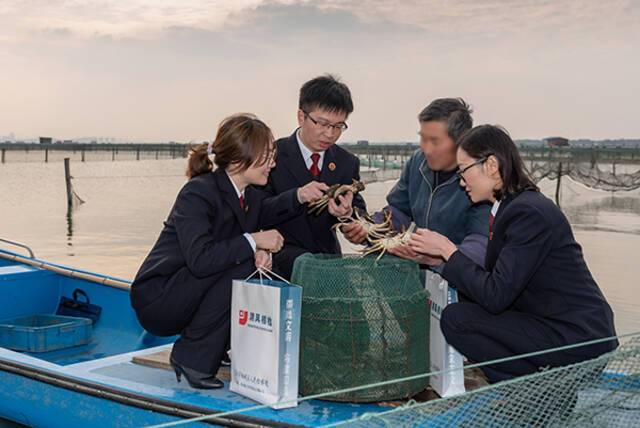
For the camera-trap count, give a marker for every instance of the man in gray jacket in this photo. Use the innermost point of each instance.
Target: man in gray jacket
(429, 192)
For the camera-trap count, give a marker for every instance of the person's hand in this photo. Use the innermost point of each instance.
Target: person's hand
(405, 252)
(263, 260)
(425, 241)
(354, 232)
(344, 209)
(269, 240)
(311, 191)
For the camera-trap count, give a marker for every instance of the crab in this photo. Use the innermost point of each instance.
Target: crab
(373, 229)
(317, 206)
(389, 241)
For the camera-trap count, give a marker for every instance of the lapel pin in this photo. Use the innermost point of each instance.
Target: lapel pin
(331, 166)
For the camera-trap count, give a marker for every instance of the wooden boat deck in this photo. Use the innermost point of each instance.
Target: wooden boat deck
(160, 360)
(473, 379)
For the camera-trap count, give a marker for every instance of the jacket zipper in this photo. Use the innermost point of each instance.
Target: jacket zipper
(433, 191)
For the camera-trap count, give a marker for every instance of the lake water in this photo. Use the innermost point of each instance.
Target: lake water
(127, 201)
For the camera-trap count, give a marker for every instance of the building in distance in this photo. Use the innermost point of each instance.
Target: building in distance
(557, 142)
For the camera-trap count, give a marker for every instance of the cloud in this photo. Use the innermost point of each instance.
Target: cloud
(480, 16)
(133, 18)
(309, 18)
(169, 69)
(456, 19)
(61, 32)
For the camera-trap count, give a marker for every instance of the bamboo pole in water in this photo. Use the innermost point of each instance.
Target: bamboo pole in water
(67, 179)
(558, 184)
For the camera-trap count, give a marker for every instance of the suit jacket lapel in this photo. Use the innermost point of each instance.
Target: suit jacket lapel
(251, 208)
(292, 159)
(495, 245)
(230, 197)
(329, 172)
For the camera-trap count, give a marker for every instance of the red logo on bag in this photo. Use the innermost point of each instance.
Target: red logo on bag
(244, 316)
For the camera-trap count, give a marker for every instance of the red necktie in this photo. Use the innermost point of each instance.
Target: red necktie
(241, 201)
(315, 170)
(491, 218)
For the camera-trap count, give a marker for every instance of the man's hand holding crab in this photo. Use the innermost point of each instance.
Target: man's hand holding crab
(342, 208)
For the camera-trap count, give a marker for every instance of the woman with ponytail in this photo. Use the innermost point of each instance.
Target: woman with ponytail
(535, 290)
(213, 234)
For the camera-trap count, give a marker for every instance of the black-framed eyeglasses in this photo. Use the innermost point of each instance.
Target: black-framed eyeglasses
(466, 168)
(340, 127)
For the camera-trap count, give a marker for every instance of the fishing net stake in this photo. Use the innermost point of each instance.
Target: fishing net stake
(72, 198)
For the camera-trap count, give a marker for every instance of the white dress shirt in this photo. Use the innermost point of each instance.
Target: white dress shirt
(306, 153)
(248, 236)
(495, 208)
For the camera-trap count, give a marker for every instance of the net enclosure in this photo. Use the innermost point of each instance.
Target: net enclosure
(363, 321)
(602, 392)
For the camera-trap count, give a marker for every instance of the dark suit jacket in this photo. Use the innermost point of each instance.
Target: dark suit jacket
(534, 265)
(306, 231)
(204, 232)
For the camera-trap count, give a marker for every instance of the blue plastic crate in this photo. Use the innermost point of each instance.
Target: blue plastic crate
(42, 333)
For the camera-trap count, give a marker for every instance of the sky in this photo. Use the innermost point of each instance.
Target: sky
(159, 70)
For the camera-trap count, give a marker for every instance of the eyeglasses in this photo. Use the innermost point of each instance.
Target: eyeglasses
(466, 168)
(340, 127)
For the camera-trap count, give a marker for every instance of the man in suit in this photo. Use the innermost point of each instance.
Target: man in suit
(311, 153)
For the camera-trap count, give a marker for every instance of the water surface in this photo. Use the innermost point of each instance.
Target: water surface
(127, 201)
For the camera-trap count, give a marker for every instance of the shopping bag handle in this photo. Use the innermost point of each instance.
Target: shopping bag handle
(266, 272)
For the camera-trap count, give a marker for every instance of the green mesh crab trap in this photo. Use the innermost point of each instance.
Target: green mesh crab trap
(363, 321)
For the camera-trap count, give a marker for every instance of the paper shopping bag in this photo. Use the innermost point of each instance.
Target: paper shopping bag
(265, 341)
(443, 357)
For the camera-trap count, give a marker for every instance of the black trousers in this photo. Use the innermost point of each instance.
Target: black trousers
(481, 336)
(199, 310)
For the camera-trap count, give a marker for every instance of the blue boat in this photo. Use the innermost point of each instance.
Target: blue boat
(96, 384)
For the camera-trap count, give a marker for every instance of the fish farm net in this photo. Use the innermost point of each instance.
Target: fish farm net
(363, 321)
(591, 175)
(602, 392)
